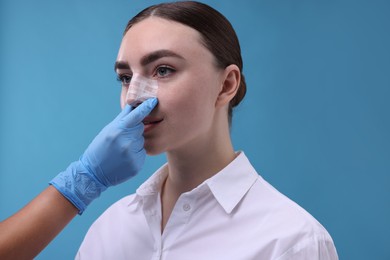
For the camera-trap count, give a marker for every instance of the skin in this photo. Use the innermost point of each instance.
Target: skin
(31, 229)
(193, 97)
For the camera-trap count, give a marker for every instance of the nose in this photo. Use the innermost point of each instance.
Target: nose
(140, 89)
(134, 92)
(136, 104)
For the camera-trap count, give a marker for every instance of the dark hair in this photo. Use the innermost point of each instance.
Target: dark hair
(217, 33)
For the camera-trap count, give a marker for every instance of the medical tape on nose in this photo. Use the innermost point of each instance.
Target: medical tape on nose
(140, 89)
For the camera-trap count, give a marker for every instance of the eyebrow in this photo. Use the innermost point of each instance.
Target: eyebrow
(121, 65)
(149, 58)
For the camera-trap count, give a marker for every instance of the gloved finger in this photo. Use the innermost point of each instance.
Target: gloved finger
(136, 145)
(139, 113)
(126, 110)
(134, 132)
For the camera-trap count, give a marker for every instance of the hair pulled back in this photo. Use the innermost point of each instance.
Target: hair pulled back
(218, 35)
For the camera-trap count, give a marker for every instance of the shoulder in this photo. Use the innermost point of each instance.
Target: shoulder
(293, 230)
(120, 209)
(113, 219)
(279, 210)
(110, 226)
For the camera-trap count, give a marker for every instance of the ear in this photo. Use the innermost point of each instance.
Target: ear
(230, 84)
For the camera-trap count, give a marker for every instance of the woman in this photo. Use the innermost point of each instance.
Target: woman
(207, 202)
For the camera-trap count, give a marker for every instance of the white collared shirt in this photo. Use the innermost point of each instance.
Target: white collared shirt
(234, 215)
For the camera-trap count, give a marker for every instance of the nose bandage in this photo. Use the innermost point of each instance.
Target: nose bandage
(140, 89)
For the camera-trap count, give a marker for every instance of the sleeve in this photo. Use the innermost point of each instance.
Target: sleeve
(312, 248)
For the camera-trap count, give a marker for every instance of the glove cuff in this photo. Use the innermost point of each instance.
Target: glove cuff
(78, 185)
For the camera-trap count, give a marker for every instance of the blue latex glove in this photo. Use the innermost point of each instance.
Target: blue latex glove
(116, 154)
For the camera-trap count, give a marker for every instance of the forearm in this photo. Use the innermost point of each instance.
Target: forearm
(114, 156)
(26, 233)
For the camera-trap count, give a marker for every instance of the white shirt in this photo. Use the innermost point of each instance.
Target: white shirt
(234, 215)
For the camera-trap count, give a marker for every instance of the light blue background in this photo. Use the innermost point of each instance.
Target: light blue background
(315, 122)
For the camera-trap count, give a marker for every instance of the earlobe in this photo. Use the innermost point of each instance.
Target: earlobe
(230, 84)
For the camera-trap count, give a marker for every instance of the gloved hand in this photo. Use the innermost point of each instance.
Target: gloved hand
(116, 154)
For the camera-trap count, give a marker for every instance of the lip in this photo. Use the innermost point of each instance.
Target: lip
(150, 123)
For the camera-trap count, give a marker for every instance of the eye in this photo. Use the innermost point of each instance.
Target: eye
(124, 79)
(163, 71)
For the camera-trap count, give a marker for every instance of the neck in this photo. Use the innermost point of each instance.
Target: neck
(190, 167)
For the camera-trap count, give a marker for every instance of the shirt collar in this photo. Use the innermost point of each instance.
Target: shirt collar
(153, 185)
(231, 184)
(228, 186)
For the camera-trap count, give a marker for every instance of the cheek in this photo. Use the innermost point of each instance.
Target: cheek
(184, 100)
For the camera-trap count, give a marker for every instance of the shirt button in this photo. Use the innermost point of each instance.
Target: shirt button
(186, 207)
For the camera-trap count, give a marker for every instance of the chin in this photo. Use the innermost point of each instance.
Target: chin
(152, 153)
(152, 150)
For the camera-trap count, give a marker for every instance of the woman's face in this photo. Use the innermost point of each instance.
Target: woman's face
(188, 82)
